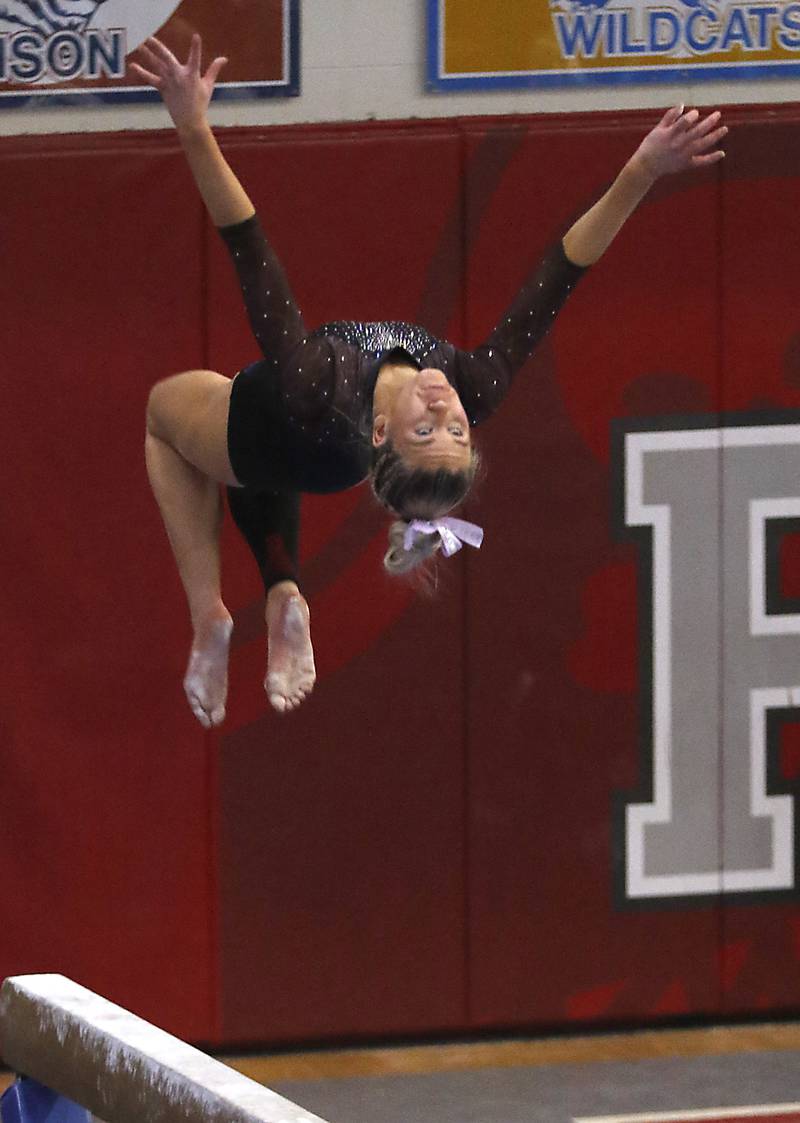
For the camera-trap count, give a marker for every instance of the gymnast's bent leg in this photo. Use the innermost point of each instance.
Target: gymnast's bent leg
(187, 458)
(269, 522)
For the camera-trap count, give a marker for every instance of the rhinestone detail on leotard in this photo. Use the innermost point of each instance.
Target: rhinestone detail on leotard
(380, 337)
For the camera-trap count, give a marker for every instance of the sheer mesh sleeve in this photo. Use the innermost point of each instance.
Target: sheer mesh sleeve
(483, 376)
(274, 317)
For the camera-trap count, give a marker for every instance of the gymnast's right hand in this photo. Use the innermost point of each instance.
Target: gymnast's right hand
(185, 90)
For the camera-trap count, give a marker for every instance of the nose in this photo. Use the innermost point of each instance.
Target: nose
(438, 405)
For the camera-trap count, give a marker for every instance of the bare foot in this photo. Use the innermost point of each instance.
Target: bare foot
(290, 663)
(206, 678)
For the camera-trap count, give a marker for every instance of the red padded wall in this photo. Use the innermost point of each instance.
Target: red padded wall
(553, 646)
(428, 844)
(343, 826)
(760, 328)
(105, 820)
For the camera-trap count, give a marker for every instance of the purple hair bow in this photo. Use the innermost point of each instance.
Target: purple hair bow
(453, 533)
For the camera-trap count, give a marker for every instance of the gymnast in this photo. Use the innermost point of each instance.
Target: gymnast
(325, 410)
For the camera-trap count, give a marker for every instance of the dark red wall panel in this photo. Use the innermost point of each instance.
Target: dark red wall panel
(105, 846)
(553, 729)
(431, 843)
(760, 325)
(342, 825)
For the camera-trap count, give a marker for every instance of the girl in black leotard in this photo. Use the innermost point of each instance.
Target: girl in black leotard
(324, 410)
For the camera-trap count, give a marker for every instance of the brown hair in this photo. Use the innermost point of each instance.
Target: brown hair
(415, 493)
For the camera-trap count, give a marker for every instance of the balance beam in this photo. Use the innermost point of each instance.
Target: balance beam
(120, 1067)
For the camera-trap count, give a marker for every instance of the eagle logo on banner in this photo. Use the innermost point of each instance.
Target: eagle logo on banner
(47, 41)
(46, 17)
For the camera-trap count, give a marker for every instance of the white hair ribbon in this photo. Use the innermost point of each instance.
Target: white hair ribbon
(453, 533)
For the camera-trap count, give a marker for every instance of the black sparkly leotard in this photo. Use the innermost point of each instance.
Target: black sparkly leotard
(300, 417)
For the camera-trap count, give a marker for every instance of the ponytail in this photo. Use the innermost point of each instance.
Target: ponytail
(398, 560)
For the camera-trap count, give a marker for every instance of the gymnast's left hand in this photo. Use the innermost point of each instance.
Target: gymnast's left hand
(186, 91)
(682, 141)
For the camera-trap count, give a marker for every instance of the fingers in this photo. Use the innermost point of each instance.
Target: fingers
(702, 155)
(671, 116)
(699, 137)
(704, 138)
(151, 60)
(706, 125)
(195, 52)
(162, 53)
(153, 79)
(692, 124)
(162, 62)
(709, 158)
(212, 73)
(711, 140)
(686, 121)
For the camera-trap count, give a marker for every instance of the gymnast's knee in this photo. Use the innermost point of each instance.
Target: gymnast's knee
(163, 404)
(153, 413)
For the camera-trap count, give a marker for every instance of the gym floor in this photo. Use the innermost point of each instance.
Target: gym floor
(740, 1072)
(717, 1075)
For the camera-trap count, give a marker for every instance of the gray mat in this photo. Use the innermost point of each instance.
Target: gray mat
(555, 1094)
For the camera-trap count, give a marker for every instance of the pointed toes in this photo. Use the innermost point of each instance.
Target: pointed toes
(278, 702)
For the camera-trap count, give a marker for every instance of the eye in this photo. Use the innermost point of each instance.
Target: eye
(423, 430)
(457, 430)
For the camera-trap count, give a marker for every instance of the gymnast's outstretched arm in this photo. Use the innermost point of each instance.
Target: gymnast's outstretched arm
(679, 142)
(271, 309)
(186, 93)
